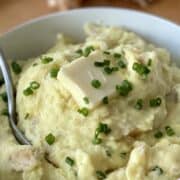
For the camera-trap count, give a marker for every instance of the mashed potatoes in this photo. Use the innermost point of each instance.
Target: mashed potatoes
(132, 135)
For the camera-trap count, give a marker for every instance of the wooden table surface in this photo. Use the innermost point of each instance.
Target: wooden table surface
(14, 12)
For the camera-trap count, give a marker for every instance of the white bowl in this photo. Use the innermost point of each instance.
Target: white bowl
(35, 37)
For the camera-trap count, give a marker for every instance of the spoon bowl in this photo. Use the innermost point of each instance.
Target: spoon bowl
(11, 101)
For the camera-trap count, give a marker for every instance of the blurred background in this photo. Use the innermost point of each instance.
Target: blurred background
(14, 12)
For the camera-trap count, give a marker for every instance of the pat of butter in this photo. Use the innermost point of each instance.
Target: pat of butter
(76, 78)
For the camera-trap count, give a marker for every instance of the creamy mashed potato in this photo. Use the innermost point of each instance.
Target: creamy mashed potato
(132, 135)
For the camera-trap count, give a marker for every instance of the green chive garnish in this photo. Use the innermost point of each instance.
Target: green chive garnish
(50, 138)
(34, 85)
(54, 71)
(26, 116)
(169, 131)
(88, 50)
(99, 64)
(158, 135)
(123, 155)
(149, 62)
(121, 64)
(86, 100)
(28, 91)
(139, 104)
(107, 52)
(124, 88)
(84, 111)
(117, 55)
(69, 161)
(16, 67)
(46, 60)
(141, 69)
(106, 62)
(115, 69)
(102, 128)
(4, 97)
(158, 169)
(105, 100)
(80, 52)
(155, 102)
(100, 175)
(96, 141)
(1, 81)
(35, 64)
(108, 70)
(5, 112)
(108, 153)
(96, 83)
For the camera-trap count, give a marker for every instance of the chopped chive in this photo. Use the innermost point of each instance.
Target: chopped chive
(54, 71)
(169, 131)
(102, 128)
(107, 52)
(108, 70)
(28, 91)
(46, 60)
(108, 171)
(141, 69)
(88, 50)
(108, 153)
(16, 67)
(75, 173)
(121, 64)
(158, 135)
(106, 62)
(50, 138)
(84, 111)
(34, 85)
(96, 141)
(155, 102)
(123, 155)
(69, 161)
(5, 112)
(139, 104)
(105, 100)
(80, 52)
(124, 88)
(26, 116)
(4, 97)
(158, 170)
(99, 64)
(115, 68)
(149, 62)
(100, 175)
(1, 81)
(35, 64)
(86, 100)
(117, 55)
(96, 83)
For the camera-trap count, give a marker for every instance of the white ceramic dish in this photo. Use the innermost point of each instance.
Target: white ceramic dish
(35, 37)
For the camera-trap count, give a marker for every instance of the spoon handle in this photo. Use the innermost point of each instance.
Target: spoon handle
(11, 100)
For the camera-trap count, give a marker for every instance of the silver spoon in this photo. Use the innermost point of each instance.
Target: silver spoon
(12, 106)
(11, 101)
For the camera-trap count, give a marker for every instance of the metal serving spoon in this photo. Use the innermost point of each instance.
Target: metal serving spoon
(20, 137)
(11, 101)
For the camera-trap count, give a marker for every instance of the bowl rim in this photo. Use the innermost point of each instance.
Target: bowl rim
(102, 8)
